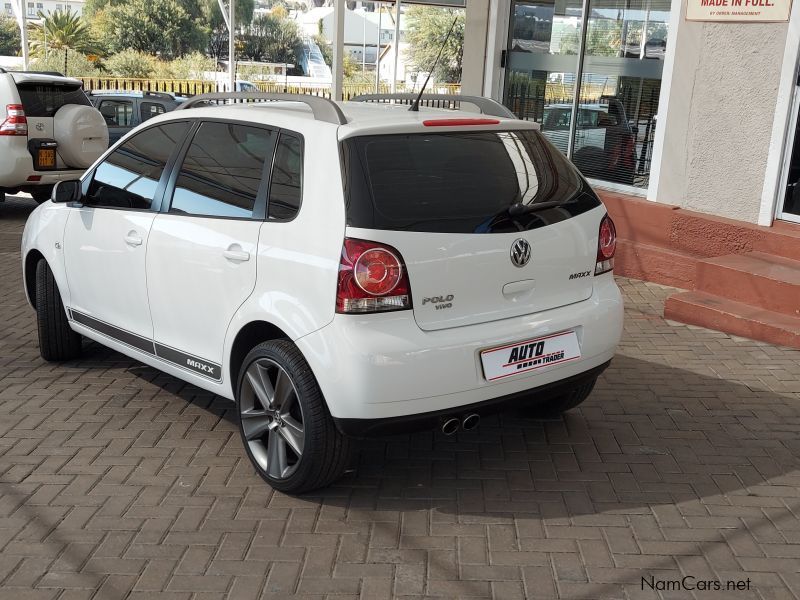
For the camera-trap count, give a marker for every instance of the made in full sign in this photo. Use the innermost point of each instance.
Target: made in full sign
(760, 3)
(532, 355)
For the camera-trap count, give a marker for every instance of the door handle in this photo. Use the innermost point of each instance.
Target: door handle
(133, 239)
(236, 254)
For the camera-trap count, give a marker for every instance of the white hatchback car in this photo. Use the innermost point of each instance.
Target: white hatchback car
(338, 270)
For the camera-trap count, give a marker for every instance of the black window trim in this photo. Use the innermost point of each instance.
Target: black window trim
(301, 139)
(158, 198)
(262, 197)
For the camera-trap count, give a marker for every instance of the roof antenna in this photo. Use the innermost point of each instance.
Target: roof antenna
(415, 105)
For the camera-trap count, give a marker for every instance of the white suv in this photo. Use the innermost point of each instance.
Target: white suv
(49, 132)
(338, 270)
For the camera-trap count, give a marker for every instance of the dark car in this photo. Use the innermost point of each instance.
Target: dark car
(125, 110)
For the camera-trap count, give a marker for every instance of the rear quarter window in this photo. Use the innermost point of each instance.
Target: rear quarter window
(44, 99)
(459, 182)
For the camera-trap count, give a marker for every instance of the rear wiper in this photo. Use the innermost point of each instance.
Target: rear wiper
(518, 209)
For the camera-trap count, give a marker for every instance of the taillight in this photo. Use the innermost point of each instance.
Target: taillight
(372, 278)
(606, 246)
(16, 122)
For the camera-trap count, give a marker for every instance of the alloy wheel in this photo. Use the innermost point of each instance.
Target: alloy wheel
(272, 418)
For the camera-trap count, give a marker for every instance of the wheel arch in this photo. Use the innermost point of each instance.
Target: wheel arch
(247, 338)
(32, 258)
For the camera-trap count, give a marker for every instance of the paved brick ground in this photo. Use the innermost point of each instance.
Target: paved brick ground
(118, 481)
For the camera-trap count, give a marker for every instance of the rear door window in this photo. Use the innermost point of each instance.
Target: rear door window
(459, 182)
(223, 172)
(151, 109)
(44, 100)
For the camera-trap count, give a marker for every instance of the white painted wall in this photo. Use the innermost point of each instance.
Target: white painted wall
(475, 47)
(717, 126)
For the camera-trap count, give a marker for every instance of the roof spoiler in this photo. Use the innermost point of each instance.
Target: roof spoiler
(487, 106)
(322, 108)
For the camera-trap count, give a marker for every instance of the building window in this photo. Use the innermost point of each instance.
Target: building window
(39, 7)
(31, 10)
(59, 8)
(611, 136)
(9, 9)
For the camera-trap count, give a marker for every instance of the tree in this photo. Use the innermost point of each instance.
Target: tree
(271, 39)
(218, 31)
(131, 63)
(61, 32)
(77, 64)
(427, 27)
(161, 27)
(10, 44)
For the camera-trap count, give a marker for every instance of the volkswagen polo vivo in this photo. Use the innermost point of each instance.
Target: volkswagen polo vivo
(339, 270)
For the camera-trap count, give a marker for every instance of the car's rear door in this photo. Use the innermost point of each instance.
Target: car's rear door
(105, 240)
(201, 255)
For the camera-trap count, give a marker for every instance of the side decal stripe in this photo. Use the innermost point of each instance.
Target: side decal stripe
(126, 337)
(177, 357)
(187, 361)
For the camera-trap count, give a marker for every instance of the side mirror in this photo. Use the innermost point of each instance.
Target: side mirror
(66, 191)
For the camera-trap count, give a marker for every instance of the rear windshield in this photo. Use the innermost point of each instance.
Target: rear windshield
(459, 182)
(44, 99)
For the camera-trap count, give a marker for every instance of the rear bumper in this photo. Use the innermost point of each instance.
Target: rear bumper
(17, 165)
(383, 365)
(364, 428)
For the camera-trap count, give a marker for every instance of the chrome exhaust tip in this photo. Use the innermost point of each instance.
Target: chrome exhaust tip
(450, 426)
(470, 422)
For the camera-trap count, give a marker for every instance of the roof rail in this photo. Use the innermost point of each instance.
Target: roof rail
(2, 70)
(323, 109)
(486, 105)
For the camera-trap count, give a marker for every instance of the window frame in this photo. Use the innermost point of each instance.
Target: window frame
(121, 101)
(260, 207)
(301, 139)
(158, 199)
(140, 108)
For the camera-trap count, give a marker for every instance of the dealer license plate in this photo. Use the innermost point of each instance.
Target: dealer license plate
(47, 158)
(529, 355)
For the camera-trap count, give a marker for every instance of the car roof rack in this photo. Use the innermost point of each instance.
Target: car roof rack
(323, 109)
(487, 106)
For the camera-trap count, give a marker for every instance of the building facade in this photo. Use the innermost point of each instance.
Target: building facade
(695, 114)
(32, 9)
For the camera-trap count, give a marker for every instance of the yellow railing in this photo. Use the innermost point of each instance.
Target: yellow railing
(188, 87)
(191, 87)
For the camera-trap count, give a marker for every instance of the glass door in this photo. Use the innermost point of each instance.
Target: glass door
(789, 204)
(541, 64)
(613, 64)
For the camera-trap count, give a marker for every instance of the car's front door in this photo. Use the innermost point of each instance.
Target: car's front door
(105, 240)
(201, 255)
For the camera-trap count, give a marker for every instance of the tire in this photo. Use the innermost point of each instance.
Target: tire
(81, 133)
(273, 428)
(57, 341)
(42, 194)
(561, 404)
